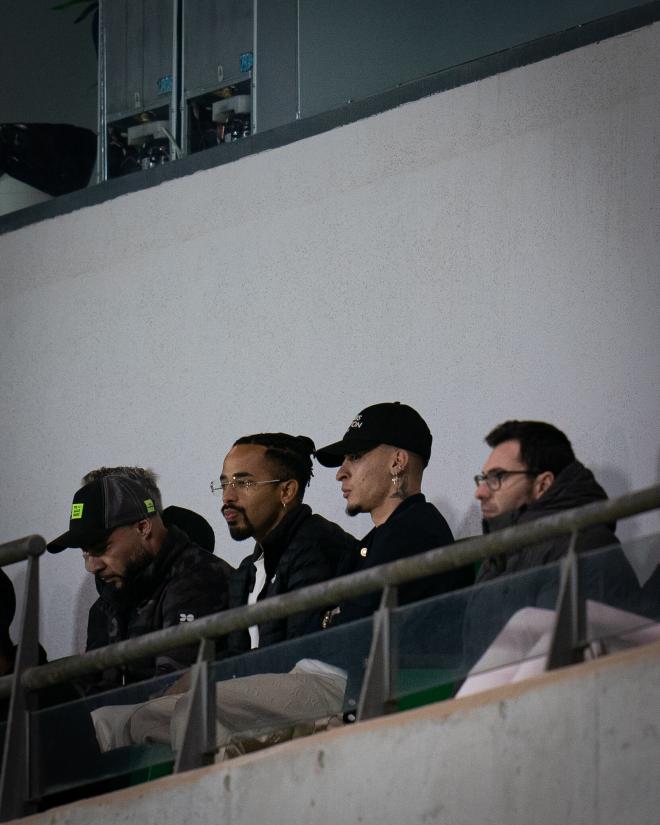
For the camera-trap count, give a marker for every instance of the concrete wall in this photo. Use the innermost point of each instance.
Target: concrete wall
(485, 253)
(577, 746)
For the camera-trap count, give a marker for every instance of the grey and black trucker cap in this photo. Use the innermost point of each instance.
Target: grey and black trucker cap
(101, 506)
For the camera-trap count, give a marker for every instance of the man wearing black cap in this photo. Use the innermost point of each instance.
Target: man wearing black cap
(381, 460)
(262, 485)
(196, 526)
(102, 618)
(160, 577)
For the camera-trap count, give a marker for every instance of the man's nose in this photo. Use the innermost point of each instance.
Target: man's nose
(93, 564)
(341, 473)
(229, 494)
(482, 491)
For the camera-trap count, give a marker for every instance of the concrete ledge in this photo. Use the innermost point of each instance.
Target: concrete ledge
(580, 745)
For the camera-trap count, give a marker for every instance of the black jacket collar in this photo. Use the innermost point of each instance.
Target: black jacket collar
(280, 537)
(574, 486)
(406, 504)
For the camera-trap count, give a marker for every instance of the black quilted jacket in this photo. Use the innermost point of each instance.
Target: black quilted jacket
(182, 583)
(303, 549)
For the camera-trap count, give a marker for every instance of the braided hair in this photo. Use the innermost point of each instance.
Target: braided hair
(289, 455)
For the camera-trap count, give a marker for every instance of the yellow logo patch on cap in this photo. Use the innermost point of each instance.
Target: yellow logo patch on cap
(148, 503)
(77, 511)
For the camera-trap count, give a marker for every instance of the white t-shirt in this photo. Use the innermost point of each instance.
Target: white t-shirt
(259, 582)
(304, 665)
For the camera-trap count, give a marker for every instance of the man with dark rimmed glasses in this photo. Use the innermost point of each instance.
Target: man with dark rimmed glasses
(532, 472)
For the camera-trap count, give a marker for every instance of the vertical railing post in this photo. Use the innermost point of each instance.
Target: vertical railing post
(376, 696)
(569, 632)
(255, 68)
(182, 134)
(102, 100)
(177, 89)
(199, 739)
(17, 782)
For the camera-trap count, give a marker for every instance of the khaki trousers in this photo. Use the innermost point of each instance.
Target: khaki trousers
(251, 712)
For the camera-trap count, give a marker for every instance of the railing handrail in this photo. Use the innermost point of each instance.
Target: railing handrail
(21, 549)
(332, 592)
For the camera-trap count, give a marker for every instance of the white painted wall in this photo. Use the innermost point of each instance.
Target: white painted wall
(485, 253)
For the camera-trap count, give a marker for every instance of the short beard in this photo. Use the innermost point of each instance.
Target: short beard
(240, 533)
(136, 565)
(353, 510)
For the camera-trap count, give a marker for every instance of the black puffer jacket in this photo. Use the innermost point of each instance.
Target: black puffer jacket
(605, 576)
(182, 583)
(303, 549)
(575, 486)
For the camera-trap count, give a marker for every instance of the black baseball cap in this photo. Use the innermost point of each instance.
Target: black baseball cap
(390, 423)
(101, 506)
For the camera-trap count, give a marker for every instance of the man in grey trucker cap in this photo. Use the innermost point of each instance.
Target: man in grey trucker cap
(160, 577)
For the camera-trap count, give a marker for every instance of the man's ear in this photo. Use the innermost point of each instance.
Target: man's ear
(542, 482)
(399, 461)
(289, 492)
(145, 527)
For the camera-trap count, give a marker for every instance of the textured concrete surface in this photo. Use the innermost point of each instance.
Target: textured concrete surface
(578, 746)
(484, 253)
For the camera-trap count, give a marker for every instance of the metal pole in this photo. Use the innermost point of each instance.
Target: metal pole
(298, 68)
(331, 592)
(199, 741)
(255, 70)
(182, 135)
(566, 646)
(21, 549)
(176, 68)
(376, 696)
(102, 138)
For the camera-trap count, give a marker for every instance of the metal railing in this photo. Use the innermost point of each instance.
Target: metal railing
(29, 678)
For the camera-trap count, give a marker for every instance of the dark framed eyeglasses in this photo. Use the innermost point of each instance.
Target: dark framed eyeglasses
(218, 486)
(495, 478)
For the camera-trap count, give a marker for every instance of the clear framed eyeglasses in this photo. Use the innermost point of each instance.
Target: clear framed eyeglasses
(218, 485)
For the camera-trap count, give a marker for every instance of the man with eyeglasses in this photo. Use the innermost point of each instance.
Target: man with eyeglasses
(381, 460)
(263, 481)
(532, 472)
(262, 485)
